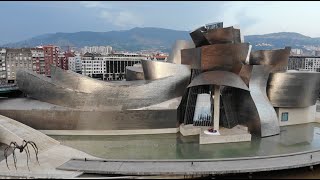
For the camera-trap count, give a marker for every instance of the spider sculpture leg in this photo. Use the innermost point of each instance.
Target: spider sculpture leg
(14, 157)
(28, 152)
(6, 155)
(35, 149)
(23, 148)
(12, 145)
(27, 159)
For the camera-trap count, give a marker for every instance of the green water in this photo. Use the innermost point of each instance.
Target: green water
(292, 139)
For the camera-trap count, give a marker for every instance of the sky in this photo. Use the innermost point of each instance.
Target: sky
(23, 20)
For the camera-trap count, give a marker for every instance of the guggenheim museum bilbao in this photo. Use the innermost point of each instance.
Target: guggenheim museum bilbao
(215, 81)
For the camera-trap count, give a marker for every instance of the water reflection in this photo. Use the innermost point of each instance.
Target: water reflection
(292, 139)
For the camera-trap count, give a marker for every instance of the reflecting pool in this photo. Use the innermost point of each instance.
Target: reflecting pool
(295, 138)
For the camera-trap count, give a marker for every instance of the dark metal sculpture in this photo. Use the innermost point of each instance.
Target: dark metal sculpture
(23, 147)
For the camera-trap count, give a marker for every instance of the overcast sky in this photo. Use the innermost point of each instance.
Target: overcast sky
(23, 20)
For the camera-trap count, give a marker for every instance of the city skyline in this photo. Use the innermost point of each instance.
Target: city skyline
(37, 18)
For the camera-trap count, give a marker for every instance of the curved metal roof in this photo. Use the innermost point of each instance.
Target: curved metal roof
(293, 89)
(222, 78)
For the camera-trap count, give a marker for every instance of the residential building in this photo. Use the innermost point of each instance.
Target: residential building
(17, 58)
(51, 56)
(93, 65)
(116, 64)
(3, 71)
(38, 60)
(75, 64)
(304, 63)
(296, 52)
(111, 67)
(104, 50)
(63, 61)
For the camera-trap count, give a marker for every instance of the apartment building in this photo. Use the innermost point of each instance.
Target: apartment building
(17, 58)
(111, 67)
(104, 50)
(3, 69)
(74, 63)
(304, 63)
(51, 56)
(38, 60)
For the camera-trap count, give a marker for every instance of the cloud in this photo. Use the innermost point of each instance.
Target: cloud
(96, 4)
(121, 19)
(90, 4)
(114, 13)
(246, 21)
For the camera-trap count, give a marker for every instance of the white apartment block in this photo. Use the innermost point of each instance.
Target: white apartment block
(104, 50)
(304, 63)
(75, 63)
(296, 51)
(312, 64)
(111, 67)
(3, 71)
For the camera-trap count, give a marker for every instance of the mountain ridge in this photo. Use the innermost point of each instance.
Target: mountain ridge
(142, 38)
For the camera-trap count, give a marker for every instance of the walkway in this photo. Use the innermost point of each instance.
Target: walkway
(51, 153)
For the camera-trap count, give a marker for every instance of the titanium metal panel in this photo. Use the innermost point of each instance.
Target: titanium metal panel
(223, 35)
(227, 57)
(175, 55)
(253, 107)
(156, 69)
(134, 73)
(245, 73)
(293, 89)
(269, 124)
(228, 112)
(191, 57)
(278, 59)
(221, 78)
(198, 37)
(43, 116)
(77, 91)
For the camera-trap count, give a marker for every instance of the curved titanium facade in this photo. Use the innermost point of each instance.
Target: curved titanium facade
(226, 57)
(245, 73)
(223, 35)
(294, 89)
(175, 54)
(278, 59)
(155, 69)
(76, 91)
(134, 73)
(221, 78)
(44, 116)
(268, 120)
